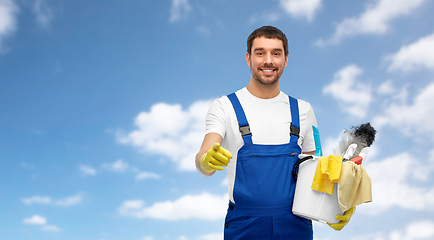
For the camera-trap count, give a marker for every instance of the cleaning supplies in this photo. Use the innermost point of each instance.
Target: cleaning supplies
(317, 141)
(327, 173)
(354, 186)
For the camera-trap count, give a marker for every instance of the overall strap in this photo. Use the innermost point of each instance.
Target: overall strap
(242, 120)
(295, 124)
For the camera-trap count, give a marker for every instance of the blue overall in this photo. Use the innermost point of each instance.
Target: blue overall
(264, 187)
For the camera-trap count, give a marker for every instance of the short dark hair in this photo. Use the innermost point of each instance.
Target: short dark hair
(268, 32)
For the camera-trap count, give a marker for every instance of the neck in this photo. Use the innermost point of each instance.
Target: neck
(263, 91)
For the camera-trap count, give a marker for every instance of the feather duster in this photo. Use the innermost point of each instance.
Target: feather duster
(362, 135)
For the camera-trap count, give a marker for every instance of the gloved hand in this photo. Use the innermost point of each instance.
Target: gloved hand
(344, 219)
(215, 158)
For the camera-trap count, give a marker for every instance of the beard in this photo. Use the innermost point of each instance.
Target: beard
(262, 81)
(267, 81)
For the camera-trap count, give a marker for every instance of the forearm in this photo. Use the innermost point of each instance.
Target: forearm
(198, 167)
(310, 153)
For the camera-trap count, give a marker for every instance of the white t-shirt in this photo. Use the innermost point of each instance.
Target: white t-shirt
(269, 121)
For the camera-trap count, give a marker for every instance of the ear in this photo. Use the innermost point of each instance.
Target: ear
(286, 61)
(248, 59)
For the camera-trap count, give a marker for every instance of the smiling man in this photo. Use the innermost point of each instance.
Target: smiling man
(257, 133)
(266, 58)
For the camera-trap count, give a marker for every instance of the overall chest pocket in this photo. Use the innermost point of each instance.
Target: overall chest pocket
(265, 179)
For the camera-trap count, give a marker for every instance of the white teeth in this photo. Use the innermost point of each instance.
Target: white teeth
(266, 70)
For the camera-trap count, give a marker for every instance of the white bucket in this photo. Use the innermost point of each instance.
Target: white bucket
(312, 204)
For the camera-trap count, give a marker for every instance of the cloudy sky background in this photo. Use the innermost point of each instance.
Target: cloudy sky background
(102, 108)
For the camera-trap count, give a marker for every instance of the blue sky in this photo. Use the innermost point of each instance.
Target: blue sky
(102, 108)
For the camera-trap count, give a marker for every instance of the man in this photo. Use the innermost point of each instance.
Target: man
(266, 130)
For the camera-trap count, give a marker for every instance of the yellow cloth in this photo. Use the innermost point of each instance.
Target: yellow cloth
(327, 173)
(354, 186)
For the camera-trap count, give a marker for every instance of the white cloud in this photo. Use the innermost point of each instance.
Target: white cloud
(353, 96)
(147, 175)
(132, 204)
(423, 229)
(35, 219)
(179, 10)
(204, 30)
(417, 55)
(264, 18)
(37, 200)
(69, 201)
(147, 238)
(170, 131)
(393, 93)
(211, 236)
(8, 12)
(375, 20)
(117, 166)
(39, 220)
(411, 119)
(43, 13)
(395, 184)
(186, 207)
(224, 183)
(387, 87)
(26, 165)
(86, 170)
(301, 8)
(420, 230)
(65, 202)
(51, 228)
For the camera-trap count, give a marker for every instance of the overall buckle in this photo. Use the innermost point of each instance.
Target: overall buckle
(245, 130)
(295, 131)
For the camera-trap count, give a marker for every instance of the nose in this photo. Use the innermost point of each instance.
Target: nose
(268, 59)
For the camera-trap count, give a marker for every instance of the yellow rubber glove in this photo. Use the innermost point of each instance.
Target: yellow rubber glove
(327, 173)
(344, 219)
(215, 158)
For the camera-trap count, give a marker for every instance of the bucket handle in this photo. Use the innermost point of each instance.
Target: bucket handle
(294, 169)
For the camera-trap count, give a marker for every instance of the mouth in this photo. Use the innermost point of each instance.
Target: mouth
(268, 71)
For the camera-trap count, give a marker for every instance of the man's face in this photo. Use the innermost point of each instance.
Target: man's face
(267, 60)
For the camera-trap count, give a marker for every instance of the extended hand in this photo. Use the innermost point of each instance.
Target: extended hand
(344, 219)
(215, 159)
